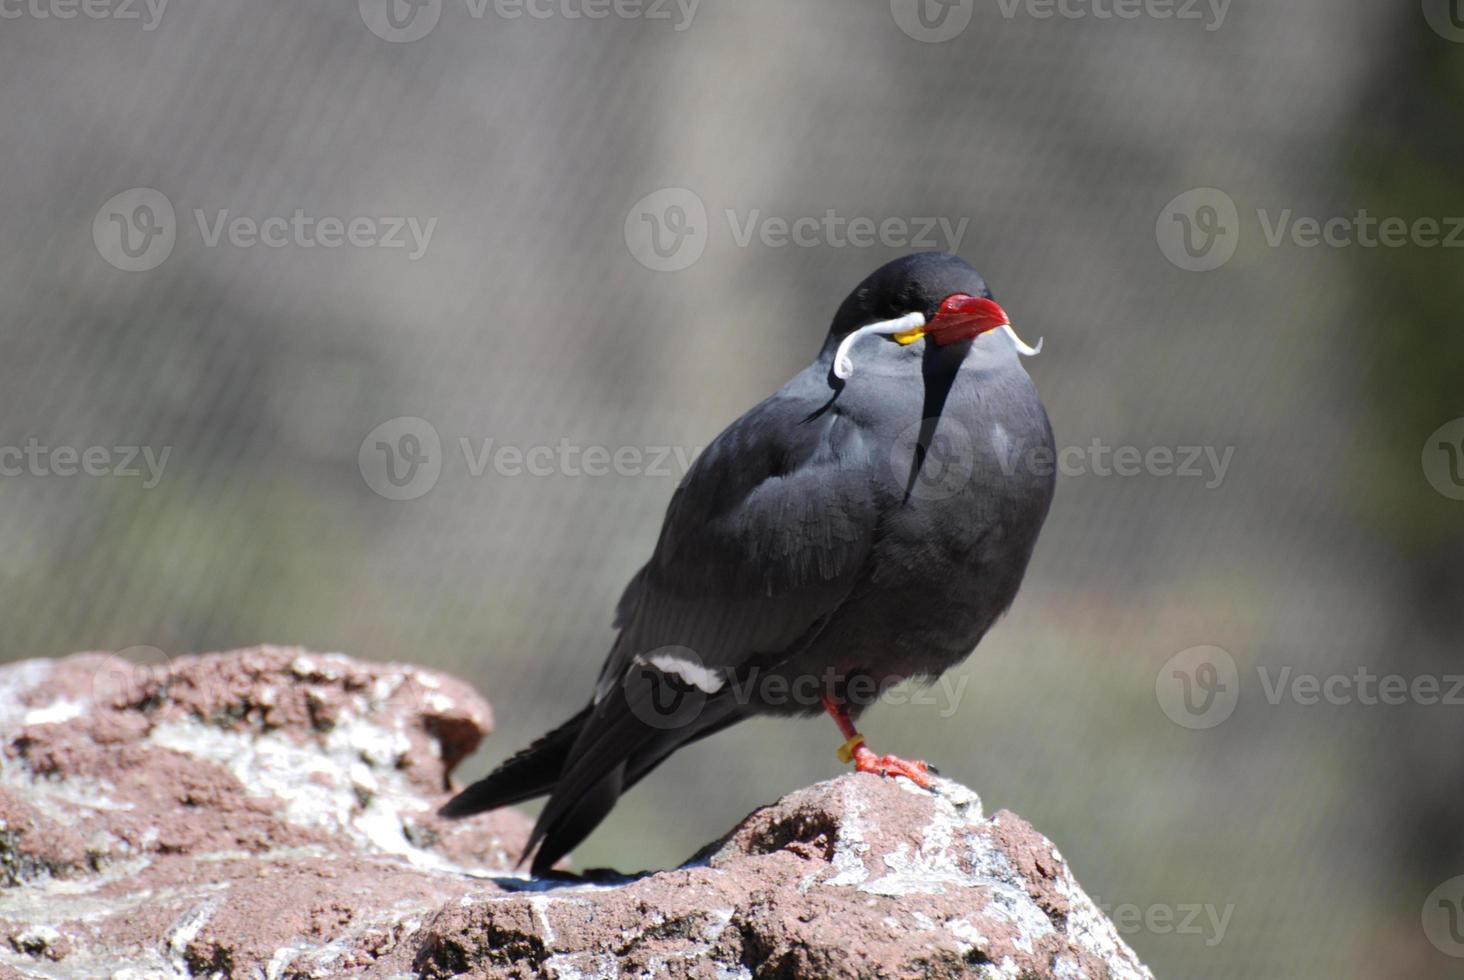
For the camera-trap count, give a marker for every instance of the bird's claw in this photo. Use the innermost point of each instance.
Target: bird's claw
(890, 766)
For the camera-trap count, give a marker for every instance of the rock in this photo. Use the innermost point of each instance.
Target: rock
(270, 813)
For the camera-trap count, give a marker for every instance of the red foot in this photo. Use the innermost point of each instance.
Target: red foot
(888, 765)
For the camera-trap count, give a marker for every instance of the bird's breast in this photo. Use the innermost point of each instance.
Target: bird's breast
(965, 491)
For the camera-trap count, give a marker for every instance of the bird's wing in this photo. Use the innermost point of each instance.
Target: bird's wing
(762, 541)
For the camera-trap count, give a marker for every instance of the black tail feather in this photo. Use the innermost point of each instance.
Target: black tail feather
(529, 773)
(615, 752)
(583, 815)
(616, 749)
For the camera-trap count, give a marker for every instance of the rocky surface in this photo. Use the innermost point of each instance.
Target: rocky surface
(269, 813)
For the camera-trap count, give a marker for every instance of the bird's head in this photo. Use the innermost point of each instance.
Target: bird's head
(929, 295)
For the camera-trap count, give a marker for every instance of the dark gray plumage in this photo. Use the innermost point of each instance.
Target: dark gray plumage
(868, 529)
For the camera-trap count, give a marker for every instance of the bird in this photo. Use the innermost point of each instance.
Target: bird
(866, 524)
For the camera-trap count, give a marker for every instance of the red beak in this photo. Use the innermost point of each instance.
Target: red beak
(963, 317)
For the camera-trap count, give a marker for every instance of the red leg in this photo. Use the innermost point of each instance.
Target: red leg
(840, 716)
(864, 759)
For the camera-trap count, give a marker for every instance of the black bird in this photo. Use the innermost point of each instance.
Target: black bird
(867, 523)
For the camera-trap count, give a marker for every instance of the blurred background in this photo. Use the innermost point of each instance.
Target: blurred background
(488, 228)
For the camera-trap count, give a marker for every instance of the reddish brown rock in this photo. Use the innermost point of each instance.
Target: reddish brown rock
(269, 813)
